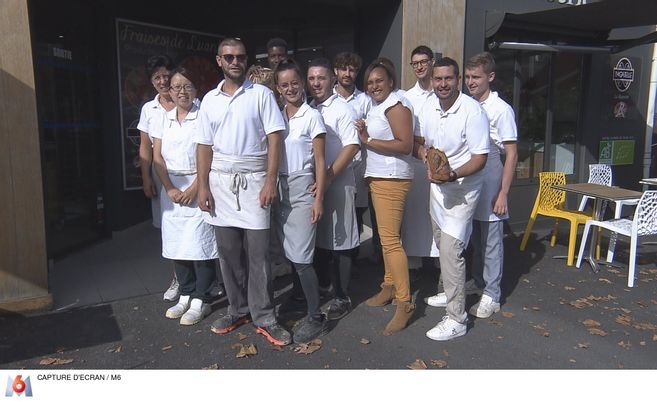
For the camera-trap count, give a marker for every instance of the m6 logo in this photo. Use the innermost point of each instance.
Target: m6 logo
(19, 386)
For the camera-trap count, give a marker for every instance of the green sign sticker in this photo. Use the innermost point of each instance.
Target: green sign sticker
(617, 152)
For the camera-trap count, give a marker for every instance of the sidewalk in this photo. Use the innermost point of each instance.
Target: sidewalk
(111, 315)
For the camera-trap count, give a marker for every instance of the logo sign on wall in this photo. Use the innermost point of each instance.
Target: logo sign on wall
(623, 74)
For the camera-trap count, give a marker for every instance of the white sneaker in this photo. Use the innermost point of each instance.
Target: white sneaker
(197, 311)
(174, 290)
(485, 307)
(440, 299)
(447, 329)
(179, 309)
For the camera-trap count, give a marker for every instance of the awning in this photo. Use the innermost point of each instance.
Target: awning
(584, 26)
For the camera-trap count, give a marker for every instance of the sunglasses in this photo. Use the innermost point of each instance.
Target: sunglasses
(229, 58)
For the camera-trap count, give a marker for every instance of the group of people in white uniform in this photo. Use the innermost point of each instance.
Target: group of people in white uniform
(244, 162)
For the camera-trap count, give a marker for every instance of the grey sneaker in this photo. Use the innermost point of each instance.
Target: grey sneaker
(229, 323)
(174, 290)
(310, 328)
(338, 308)
(275, 334)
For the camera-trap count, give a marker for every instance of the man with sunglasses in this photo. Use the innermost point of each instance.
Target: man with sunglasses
(238, 154)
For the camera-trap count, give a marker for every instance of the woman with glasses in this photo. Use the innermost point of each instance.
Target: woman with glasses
(158, 69)
(388, 135)
(186, 238)
(297, 211)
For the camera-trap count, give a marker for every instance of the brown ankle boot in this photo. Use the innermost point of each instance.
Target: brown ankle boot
(382, 298)
(403, 313)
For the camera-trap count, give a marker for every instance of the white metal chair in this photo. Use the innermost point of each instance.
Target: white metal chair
(601, 174)
(643, 224)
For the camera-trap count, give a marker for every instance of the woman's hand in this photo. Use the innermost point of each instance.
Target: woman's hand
(189, 195)
(149, 187)
(174, 194)
(316, 211)
(362, 130)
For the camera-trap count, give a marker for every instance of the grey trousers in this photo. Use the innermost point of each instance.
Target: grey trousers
(246, 272)
(452, 271)
(488, 256)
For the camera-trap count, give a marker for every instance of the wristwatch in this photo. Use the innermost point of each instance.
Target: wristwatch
(453, 176)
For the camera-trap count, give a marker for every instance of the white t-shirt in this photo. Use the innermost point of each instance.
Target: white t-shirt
(502, 121)
(178, 150)
(302, 128)
(151, 117)
(341, 131)
(238, 125)
(457, 131)
(418, 96)
(359, 100)
(378, 127)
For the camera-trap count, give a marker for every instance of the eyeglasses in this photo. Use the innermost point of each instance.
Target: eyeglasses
(186, 87)
(423, 63)
(228, 58)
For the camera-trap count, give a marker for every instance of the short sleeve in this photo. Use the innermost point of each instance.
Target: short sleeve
(477, 133)
(204, 135)
(316, 124)
(506, 125)
(157, 126)
(143, 119)
(347, 127)
(272, 119)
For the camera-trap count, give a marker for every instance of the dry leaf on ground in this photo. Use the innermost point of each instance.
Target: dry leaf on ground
(116, 349)
(645, 325)
(211, 367)
(536, 308)
(167, 347)
(625, 344)
(276, 348)
(310, 347)
(583, 345)
(52, 361)
(623, 319)
(626, 310)
(246, 351)
(507, 314)
(642, 304)
(439, 363)
(445, 352)
(418, 364)
(605, 280)
(569, 288)
(597, 331)
(241, 336)
(589, 323)
(546, 334)
(365, 341)
(495, 322)
(581, 303)
(572, 360)
(642, 343)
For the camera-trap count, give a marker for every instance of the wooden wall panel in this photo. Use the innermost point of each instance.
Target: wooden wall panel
(437, 24)
(23, 265)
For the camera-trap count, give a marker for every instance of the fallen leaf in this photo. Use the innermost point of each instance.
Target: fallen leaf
(581, 303)
(116, 349)
(597, 331)
(52, 361)
(236, 346)
(526, 280)
(623, 319)
(310, 347)
(642, 343)
(211, 367)
(439, 363)
(186, 344)
(418, 364)
(605, 280)
(590, 323)
(626, 310)
(495, 322)
(365, 341)
(569, 288)
(500, 337)
(546, 334)
(642, 304)
(445, 353)
(572, 360)
(241, 336)
(536, 308)
(334, 350)
(246, 351)
(614, 271)
(625, 345)
(167, 347)
(507, 314)
(654, 337)
(583, 345)
(276, 348)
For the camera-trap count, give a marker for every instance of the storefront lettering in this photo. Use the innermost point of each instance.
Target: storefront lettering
(623, 74)
(62, 53)
(569, 2)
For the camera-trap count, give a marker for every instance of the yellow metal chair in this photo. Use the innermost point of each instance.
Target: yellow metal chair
(550, 202)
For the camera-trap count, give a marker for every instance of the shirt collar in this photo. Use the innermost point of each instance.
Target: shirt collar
(302, 111)
(193, 113)
(245, 85)
(492, 95)
(326, 102)
(350, 97)
(454, 108)
(420, 90)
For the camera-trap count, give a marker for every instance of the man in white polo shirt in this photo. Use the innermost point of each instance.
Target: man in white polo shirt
(457, 125)
(337, 230)
(238, 154)
(492, 210)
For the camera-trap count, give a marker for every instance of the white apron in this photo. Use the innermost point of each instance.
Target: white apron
(416, 229)
(453, 205)
(490, 187)
(185, 235)
(292, 215)
(338, 228)
(235, 183)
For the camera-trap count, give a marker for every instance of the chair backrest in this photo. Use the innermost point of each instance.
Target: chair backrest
(645, 216)
(549, 198)
(600, 174)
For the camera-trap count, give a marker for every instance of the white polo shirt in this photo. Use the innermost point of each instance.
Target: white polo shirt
(418, 96)
(459, 131)
(302, 128)
(379, 164)
(238, 125)
(502, 121)
(178, 150)
(151, 117)
(341, 131)
(359, 100)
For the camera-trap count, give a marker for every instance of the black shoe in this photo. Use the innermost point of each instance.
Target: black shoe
(310, 328)
(218, 291)
(338, 308)
(275, 334)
